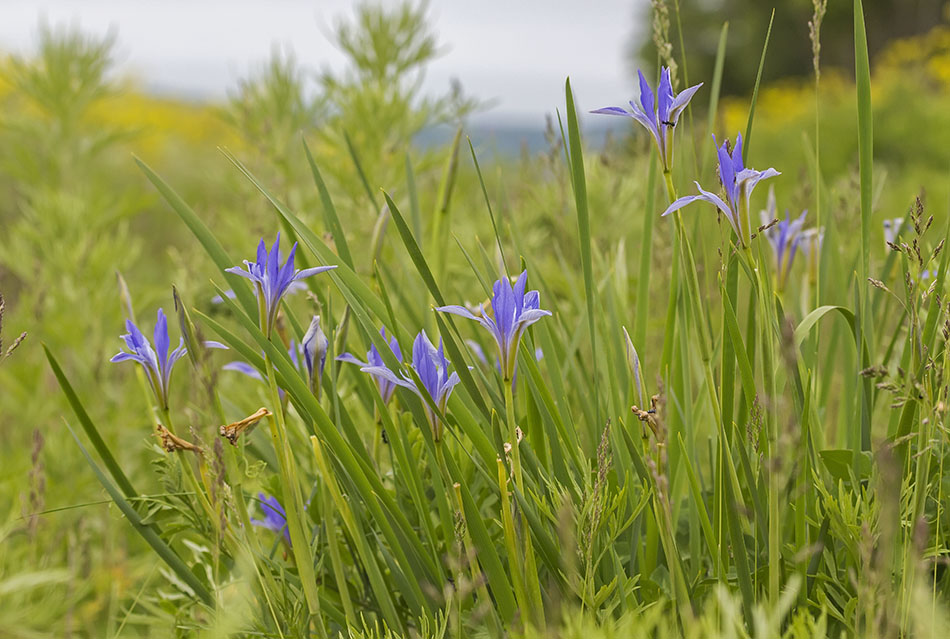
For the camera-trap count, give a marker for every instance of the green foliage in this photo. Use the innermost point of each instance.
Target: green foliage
(736, 499)
(790, 55)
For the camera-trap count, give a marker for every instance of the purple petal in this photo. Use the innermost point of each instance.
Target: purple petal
(386, 374)
(455, 309)
(531, 316)
(646, 95)
(748, 178)
(613, 111)
(518, 290)
(664, 96)
(307, 272)
(737, 164)
(648, 120)
(350, 359)
(244, 368)
(446, 390)
(237, 270)
(681, 100)
(162, 342)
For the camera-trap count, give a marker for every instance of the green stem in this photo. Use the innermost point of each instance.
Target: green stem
(529, 569)
(293, 502)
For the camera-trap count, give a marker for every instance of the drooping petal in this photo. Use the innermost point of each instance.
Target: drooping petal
(747, 179)
(244, 368)
(350, 359)
(122, 356)
(455, 309)
(307, 272)
(389, 376)
(689, 199)
(446, 389)
(613, 111)
(532, 300)
(681, 101)
(531, 316)
(236, 270)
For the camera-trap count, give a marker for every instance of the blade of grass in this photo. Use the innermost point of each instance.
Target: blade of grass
(713, 110)
(646, 256)
(329, 210)
(91, 431)
(205, 237)
(747, 141)
(491, 214)
(862, 74)
(579, 181)
(359, 170)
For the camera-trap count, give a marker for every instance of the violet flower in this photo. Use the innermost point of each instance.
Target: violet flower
(432, 368)
(315, 345)
(737, 185)
(784, 238)
(275, 518)
(157, 362)
(513, 310)
(272, 279)
(375, 360)
(658, 113)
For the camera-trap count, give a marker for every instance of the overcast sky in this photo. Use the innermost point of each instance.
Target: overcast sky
(517, 52)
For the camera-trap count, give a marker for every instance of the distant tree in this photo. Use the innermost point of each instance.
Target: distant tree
(789, 53)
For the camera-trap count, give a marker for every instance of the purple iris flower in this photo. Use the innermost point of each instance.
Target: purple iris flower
(657, 113)
(737, 185)
(272, 279)
(432, 368)
(375, 360)
(274, 516)
(157, 362)
(785, 238)
(315, 345)
(513, 311)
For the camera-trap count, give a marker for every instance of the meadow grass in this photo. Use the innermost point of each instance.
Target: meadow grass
(702, 439)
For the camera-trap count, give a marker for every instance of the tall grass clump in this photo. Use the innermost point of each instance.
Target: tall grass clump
(623, 394)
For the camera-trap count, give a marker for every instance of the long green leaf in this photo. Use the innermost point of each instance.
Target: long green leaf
(755, 93)
(91, 431)
(579, 181)
(329, 210)
(205, 236)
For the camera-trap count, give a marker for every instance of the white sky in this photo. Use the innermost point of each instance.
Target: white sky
(516, 51)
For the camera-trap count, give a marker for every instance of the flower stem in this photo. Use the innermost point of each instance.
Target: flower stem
(293, 501)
